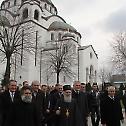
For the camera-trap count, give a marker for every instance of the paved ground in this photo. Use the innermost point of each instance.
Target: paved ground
(89, 122)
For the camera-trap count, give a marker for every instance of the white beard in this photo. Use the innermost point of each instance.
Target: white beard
(27, 99)
(67, 98)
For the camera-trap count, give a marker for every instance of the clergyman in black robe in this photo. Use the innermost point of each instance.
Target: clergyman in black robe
(67, 109)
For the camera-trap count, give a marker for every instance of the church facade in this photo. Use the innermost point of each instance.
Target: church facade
(50, 32)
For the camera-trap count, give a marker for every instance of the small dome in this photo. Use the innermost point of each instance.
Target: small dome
(68, 35)
(61, 26)
(4, 21)
(49, 1)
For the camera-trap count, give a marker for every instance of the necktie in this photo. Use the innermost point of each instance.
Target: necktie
(12, 96)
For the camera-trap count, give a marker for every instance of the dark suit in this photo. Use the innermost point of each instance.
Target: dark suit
(82, 103)
(7, 105)
(53, 100)
(111, 111)
(38, 100)
(124, 100)
(94, 107)
(25, 114)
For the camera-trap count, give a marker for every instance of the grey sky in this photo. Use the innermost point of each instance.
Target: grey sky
(96, 20)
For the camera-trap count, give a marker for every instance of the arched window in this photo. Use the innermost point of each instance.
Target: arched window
(8, 4)
(25, 13)
(77, 39)
(52, 36)
(46, 6)
(65, 48)
(50, 9)
(87, 75)
(91, 70)
(15, 1)
(91, 55)
(59, 36)
(95, 76)
(36, 14)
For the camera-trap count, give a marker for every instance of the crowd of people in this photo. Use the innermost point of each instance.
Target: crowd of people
(63, 105)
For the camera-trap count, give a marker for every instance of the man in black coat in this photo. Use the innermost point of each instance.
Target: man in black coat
(38, 98)
(111, 111)
(82, 101)
(53, 100)
(124, 101)
(94, 105)
(8, 98)
(24, 112)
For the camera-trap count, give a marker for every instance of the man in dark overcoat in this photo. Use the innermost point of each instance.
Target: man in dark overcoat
(111, 111)
(94, 105)
(38, 98)
(8, 99)
(82, 101)
(24, 112)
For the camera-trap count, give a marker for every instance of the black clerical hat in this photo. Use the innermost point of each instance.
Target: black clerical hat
(66, 87)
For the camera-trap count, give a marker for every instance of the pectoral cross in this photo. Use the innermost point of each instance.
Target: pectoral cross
(67, 113)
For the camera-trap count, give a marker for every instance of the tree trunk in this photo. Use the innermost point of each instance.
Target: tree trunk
(7, 72)
(57, 77)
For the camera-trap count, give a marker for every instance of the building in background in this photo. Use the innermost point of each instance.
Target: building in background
(50, 32)
(118, 79)
(88, 64)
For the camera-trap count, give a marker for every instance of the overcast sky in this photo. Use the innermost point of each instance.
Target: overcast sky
(96, 20)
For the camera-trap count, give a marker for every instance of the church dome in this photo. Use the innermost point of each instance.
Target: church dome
(68, 35)
(49, 1)
(61, 26)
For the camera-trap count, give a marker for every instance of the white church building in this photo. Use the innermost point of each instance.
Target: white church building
(49, 31)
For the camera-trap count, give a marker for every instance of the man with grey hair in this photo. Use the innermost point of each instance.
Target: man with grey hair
(38, 98)
(111, 111)
(82, 101)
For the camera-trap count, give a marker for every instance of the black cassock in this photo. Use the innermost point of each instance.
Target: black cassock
(69, 114)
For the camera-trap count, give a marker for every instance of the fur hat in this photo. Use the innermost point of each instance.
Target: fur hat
(66, 87)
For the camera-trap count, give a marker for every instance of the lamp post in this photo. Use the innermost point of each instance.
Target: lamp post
(41, 66)
(78, 62)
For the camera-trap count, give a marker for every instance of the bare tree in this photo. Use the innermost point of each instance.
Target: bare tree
(61, 59)
(14, 41)
(105, 75)
(119, 51)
